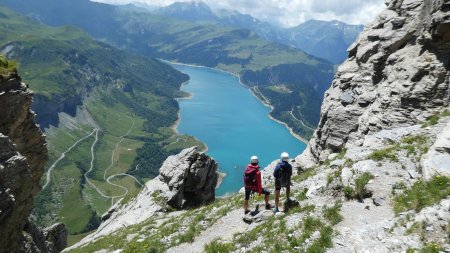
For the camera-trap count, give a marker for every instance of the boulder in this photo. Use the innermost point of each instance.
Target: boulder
(191, 177)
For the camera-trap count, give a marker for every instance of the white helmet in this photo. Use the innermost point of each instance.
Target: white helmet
(284, 156)
(254, 159)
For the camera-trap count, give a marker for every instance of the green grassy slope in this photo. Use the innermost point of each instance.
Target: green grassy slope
(260, 63)
(129, 99)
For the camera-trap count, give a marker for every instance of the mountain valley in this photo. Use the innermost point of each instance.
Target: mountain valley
(91, 158)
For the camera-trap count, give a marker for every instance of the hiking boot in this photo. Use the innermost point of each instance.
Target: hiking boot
(269, 207)
(246, 212)
(276, 210)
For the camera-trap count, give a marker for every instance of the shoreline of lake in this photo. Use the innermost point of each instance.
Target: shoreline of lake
(291, 131)
(175, 125)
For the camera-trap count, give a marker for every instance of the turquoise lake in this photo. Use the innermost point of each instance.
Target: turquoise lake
(232, 122)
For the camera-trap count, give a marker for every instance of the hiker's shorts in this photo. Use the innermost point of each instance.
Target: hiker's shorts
(249, 191)
(278, 185)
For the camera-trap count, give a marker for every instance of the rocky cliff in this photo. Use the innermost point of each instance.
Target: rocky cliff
(23, 153)
(397, 74)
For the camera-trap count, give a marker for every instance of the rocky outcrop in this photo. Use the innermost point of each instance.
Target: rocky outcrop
(22, 157)
(194, 180)
(51, 239)
(186, 180)
(23, 153)
(47, 109)
(397, 74)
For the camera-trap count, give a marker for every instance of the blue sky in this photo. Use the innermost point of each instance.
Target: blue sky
(290, 12)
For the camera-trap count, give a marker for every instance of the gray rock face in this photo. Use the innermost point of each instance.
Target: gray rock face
(52, 239)
(396, 75)
(191, 178)
(22, 157)
(15, 192)
(23, 153)
(437, 160)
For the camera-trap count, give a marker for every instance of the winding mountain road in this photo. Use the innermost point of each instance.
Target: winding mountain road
(63, 154)
(299, 120)
(108, 179)
(86, 174)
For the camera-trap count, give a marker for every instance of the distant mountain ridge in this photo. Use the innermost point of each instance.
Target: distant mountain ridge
(189, 11)
(324, 39)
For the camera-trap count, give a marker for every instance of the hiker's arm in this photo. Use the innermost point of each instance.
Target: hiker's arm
(258, 182)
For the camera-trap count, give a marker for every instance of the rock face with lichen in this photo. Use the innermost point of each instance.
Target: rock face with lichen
(23, 153)
(397, 74)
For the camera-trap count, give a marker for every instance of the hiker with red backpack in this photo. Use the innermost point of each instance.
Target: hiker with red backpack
(282, 174)
(252, 182)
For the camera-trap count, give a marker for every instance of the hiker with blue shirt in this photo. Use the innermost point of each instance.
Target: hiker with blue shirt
(282, 174)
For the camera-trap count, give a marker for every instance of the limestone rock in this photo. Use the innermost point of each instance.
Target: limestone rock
(437, 160)
(191, 177)
(396, 75)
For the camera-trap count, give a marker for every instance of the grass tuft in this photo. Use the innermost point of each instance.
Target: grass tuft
(422, 194)
(332, 214)
(383, 154)
(218, 247)
(359, 192)
(7, 66)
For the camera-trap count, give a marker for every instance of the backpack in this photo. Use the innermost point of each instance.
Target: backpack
(249, 178)
(281, 174)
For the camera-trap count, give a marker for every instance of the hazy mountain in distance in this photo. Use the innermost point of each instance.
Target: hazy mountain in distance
(325, 39)
(263, 29)
(189, 11)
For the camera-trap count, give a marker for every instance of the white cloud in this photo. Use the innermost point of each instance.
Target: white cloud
(290, 12)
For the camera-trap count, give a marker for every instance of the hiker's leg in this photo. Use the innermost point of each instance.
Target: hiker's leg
(266, 196)
(288, 191)
(246, 198)
(277, 196)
